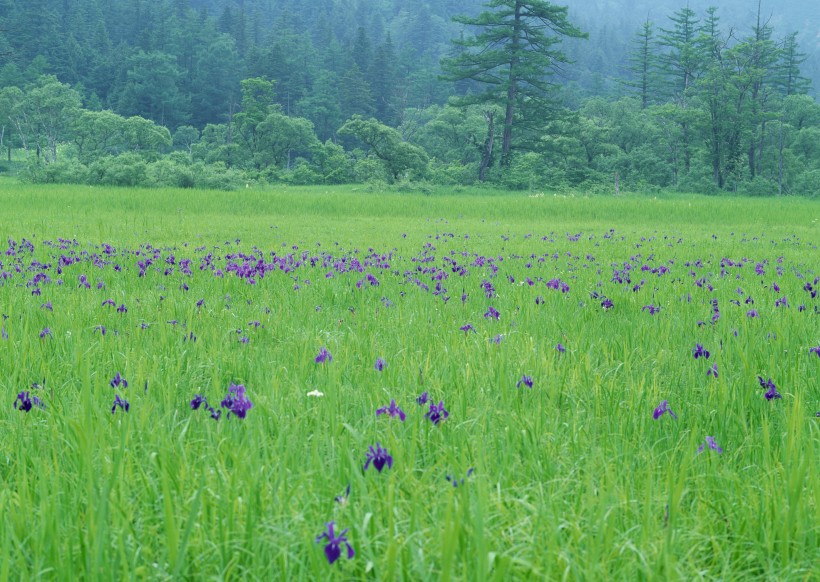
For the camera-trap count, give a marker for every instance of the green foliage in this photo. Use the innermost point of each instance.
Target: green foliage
(510, 57)
(399, 157)
(263, 90)
(573, 478)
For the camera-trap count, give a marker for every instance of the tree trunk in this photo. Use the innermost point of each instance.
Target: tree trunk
(512, 88)
(780, 169)
(487, 151)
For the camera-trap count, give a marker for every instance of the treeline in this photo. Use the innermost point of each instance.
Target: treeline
(194, 99)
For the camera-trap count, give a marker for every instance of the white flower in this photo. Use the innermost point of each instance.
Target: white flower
(315, 393)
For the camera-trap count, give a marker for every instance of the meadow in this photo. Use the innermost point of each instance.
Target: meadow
(191, 383)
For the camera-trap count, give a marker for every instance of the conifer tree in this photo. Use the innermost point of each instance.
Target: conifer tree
(513, 55)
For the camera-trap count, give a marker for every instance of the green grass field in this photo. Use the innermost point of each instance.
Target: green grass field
(186, 293)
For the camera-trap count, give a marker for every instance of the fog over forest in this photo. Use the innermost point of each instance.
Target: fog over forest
(699, 96)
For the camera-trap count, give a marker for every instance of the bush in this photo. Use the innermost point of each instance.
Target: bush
(60, 172)
(165, 172)
(218, 176)
(127, 169)
(806, 184)
(302, 174)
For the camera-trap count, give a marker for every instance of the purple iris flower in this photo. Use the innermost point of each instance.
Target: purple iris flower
(497, 339)
(122, 308)
(121, 403)
(815, 350)
(437, 413)
(466, 328)
(699, 352)
(3, 333)
(118, 381)
(713, 371)
(423, 399)
(236, 402)
(651, 309)
(108, 302)
(771, 392)
(379, 457)
(45, 333)
(392, 410)
(526, 380)
(607, 304)
(455, 481)
(752, 313)
(662, 409)
(379, 365)
(560, 348)
(323, 356)
(492, 313)
(710, 442)
(333, 548)
(25, 401)
(198, 401)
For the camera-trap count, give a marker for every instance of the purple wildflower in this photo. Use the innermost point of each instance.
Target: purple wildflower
(771, 392)
(198, 401)
(236, 402)
(492, 313)
(25, 401)
(526, 380)
(121, 403)
(710, 442)
(379, 365)
(323, 356)
(45, 333)
(652, 309)
(466, 328)
(752, 313)
(392, 410)
(436, 413)
(497, 339)
(122, 308)
(423, 399)
(118, 380)
(560, 348)
(815, 350)
(3, 333)
(662, 409)
(333, 548)
(607, 304)
(108, 302)
(713, 371)
(699, 352)
(455, 481)
(342, 499)
(379, 457)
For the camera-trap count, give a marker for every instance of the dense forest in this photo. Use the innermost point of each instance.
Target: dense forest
(517, 94)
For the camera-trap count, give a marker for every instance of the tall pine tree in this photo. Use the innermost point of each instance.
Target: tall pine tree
(512, 55)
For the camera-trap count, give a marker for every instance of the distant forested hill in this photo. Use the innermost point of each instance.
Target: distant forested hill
(180, 61)
(660, 93)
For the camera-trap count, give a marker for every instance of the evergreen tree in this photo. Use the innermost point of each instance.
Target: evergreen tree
(512, 56)
(382, 79)
(681, 63)
(644, 65)
(787, 76)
